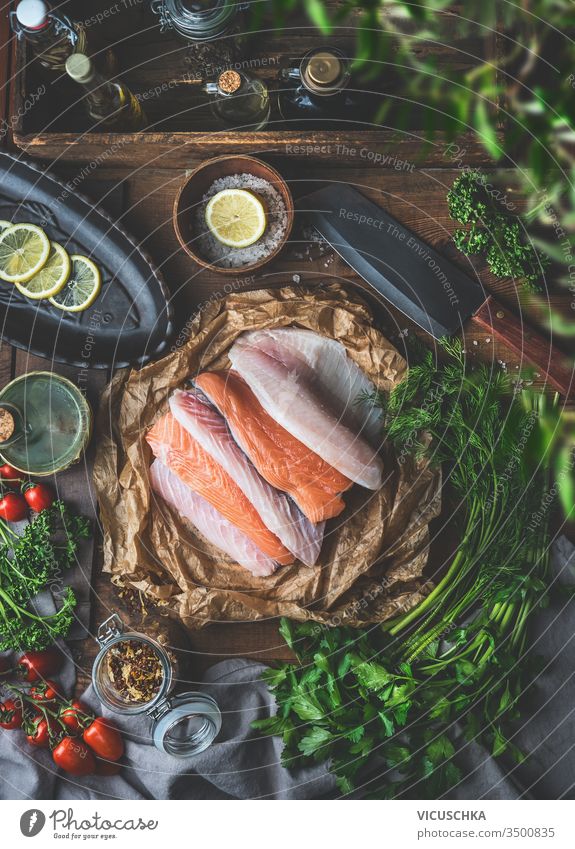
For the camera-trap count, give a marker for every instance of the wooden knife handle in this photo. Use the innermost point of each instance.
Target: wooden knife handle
(528, 344)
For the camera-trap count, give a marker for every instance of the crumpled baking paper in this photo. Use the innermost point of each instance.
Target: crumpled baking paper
(374, 553)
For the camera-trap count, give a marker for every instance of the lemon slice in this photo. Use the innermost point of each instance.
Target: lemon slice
(24, 250)
(4, 224)
(50, 279)
(82, 288)
(236, 217)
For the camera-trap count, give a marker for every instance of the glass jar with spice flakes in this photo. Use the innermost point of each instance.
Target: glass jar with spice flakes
(135, 673)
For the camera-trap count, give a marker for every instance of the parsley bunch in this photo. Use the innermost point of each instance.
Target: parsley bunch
(28, 564)
(496, 235)
(381, 704)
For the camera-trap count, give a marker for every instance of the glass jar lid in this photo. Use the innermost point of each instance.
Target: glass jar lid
(186, 724)
(198, 20)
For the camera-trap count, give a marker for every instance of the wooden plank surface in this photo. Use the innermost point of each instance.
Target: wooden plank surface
(416, 196)
(164, 71)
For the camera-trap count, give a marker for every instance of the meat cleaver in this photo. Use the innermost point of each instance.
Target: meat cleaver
(420, 282)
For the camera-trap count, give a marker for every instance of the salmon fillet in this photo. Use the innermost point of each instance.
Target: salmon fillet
(279, 457)
(279, 513)
(295, 394)
(209, 521)
(179, 451)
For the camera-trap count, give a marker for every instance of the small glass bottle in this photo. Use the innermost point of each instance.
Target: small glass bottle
(239, 100)
(108, 103)
(316, 91)
(45, 423)
(52, 37)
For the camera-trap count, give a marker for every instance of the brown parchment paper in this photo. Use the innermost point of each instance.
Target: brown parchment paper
(374, 552)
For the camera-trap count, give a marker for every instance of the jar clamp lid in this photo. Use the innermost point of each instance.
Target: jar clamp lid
(183, 724)
(197, 20)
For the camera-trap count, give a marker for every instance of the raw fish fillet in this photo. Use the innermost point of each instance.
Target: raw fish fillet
(303, 401)
(205, 425)
(209, 521)
(280, 458)
(175, 448)
(343, 380)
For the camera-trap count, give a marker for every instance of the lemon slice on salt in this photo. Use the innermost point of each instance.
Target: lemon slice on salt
(236, 217)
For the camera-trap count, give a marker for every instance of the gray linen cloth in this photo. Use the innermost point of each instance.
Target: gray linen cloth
(244, 765)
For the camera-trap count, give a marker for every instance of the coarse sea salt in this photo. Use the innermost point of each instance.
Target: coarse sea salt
(216, 253)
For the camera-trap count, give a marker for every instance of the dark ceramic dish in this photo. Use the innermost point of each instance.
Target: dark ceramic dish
(130, 322)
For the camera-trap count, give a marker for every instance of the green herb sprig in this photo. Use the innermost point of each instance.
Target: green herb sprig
(490, 232)
(393, 693)
(28, 564)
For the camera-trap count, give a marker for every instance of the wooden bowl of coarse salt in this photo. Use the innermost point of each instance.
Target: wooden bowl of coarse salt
(215, 176)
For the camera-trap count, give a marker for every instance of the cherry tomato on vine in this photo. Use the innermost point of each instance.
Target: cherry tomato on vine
(45, 691)
(39, 497)
(74, 756)
(104, 739)
(39, 734)
(13, 507)
(35, 665)
(74, 715)
(10, 715)
(9, 474)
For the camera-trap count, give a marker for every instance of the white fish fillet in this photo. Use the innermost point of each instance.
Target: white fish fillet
(299, 388)
(209, 521)
(343, 380)
(281, 515)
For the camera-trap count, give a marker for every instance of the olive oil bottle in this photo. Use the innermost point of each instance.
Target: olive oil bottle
(108, 103)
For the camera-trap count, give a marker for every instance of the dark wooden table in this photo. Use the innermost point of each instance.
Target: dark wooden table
(142, 199)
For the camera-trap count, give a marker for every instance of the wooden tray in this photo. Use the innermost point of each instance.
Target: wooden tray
(158, 66)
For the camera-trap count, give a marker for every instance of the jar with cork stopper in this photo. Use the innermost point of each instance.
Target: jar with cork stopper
(239, 101)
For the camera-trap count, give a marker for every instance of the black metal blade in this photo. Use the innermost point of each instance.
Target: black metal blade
(414, 277)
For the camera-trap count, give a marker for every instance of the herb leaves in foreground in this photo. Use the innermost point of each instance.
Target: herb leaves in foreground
(382, 702)
(28, 564)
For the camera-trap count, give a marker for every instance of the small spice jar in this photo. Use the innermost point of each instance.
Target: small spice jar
(134, 674)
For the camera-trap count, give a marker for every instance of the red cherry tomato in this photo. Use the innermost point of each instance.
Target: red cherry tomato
(74, 716)
(38, 665)
(39, 497)
(13, 507)
(39, 733)
(45, 691)
(9, 474)
(107, 767)
(104, 739)
(74, 756)
(10, 715)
